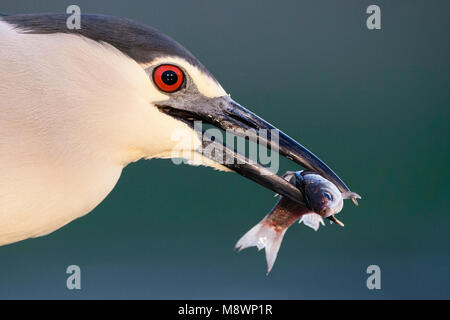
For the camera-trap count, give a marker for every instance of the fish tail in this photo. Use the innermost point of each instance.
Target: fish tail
(263, 236)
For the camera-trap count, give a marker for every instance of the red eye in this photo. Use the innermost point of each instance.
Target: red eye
(168, 78)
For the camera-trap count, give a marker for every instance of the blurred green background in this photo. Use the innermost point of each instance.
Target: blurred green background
(374, 105)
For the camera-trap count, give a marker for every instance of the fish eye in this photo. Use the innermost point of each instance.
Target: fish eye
(328, 196)
(168, 78)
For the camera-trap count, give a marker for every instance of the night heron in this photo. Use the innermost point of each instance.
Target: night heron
(77, 106)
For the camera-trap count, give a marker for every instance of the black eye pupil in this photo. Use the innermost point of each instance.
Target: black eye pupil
(169, 77)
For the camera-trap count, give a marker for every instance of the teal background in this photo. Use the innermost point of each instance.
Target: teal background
(374, 105)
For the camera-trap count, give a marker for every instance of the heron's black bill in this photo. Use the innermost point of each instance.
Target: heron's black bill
(242, 122)
(226, 114)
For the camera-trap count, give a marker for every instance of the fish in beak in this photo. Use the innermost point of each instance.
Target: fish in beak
(322, 200)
